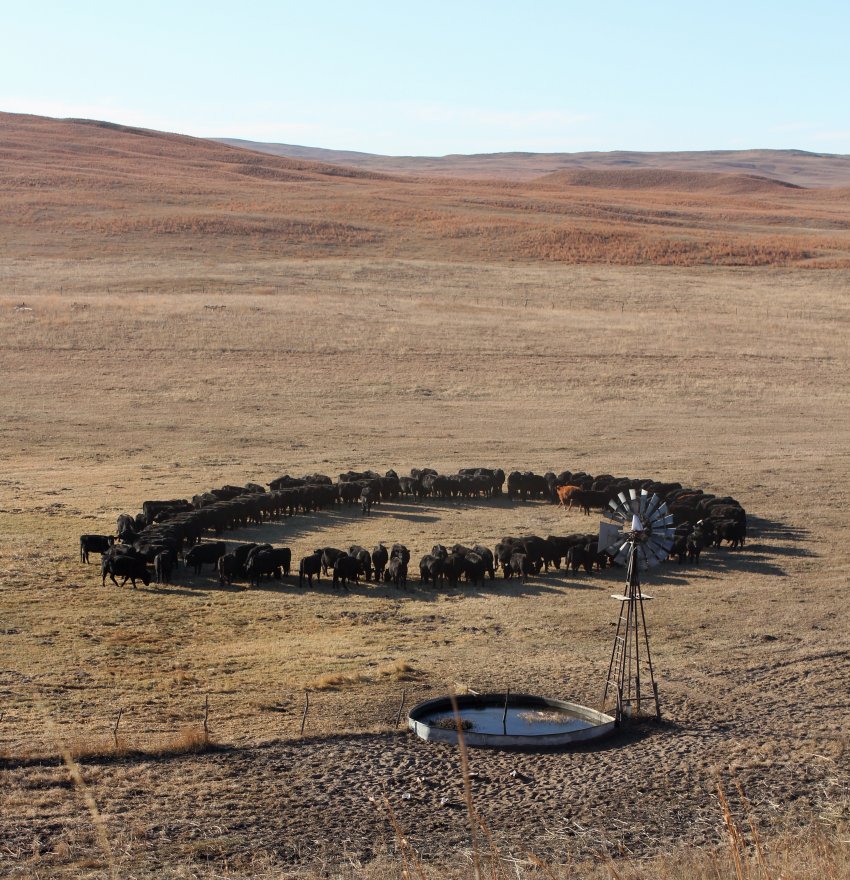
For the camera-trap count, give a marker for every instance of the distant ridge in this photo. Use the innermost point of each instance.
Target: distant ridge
(674, 181)
(797, 167)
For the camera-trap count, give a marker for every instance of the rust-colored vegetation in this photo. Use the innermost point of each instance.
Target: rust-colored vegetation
(93, 188)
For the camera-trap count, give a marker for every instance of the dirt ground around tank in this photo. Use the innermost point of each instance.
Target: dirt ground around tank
(118, 389)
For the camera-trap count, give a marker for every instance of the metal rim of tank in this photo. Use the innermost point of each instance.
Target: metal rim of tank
(602, 724)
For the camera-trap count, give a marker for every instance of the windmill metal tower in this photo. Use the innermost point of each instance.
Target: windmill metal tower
(647, 541)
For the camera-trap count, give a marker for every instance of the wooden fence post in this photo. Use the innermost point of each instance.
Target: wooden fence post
(306, 709)
(115, 727)
(400, 706)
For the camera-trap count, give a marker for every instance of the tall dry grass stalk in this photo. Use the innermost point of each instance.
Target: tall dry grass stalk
(80, 786)
(98, 822)
(467, 786)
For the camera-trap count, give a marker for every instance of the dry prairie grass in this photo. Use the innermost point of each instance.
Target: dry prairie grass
(191, 740)
(122, 384)
(733, 380)
(399, 670)
(791, 166)
(73, 188)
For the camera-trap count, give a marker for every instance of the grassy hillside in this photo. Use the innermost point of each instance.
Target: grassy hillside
(94, 189)
(791, 166)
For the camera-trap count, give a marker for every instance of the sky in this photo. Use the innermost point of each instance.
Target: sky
(443, 77)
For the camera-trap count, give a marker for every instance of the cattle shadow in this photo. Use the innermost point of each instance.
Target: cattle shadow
(406, 517)
(286, 531)
(775, 530)
(168, 590)
(744, 561)
(306, 526)
(615, 577)
(426, 591)
(194, 585)
(771, 550)
(784, 538)
(515, 588)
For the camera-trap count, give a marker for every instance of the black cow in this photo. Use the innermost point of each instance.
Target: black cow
(121, 550)
(283, 557)
(400, 551)
(205, 554)
(366, 496)
(696, 542)
(436, 569)
(125, 527)
(519, 565)
(152, 509)
(262, 563)
(486, 555)
(396, 572)
(425, 564)
(502, 553)
(309, 566)
(229, 568)
(453, 568)
(679, 550)
(410, 486)
(361, 554)
(578, 557)
(474, 568)
(149, 550)
(730, 530)
(329, 556)
(345, 569)
(94, 544)
(562, 544)
(380, 558)
(600, 558)
(241, 553)
(163, 564)
(541, 552)
(127, 567)
(527, 485)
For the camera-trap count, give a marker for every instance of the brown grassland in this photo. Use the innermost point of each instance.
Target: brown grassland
(179, 315)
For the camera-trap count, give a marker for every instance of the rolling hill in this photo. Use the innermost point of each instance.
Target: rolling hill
(84, 188)
(791, 166)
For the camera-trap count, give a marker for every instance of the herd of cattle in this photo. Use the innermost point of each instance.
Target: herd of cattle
(166, 531)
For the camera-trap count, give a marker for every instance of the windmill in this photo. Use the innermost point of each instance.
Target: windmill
(640, 534)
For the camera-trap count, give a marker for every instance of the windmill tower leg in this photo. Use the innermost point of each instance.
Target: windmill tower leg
(624, 668)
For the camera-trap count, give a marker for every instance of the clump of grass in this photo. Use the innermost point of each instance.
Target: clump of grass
(398, 670)
(190, 740)
(332, 681)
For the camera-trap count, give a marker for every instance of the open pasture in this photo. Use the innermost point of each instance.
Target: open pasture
(131, 379)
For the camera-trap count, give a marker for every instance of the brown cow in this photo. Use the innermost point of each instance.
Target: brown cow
(565, 494)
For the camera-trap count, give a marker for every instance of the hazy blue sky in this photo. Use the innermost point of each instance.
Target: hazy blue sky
(439, 77)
